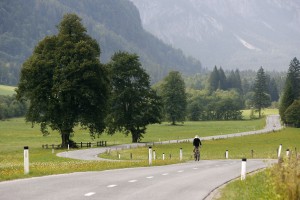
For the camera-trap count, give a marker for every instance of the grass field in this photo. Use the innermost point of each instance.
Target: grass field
(7, 90)
(263, 146)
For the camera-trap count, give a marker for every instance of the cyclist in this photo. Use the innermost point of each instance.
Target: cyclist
(197, 143)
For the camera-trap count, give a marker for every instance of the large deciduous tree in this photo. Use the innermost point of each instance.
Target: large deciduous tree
(133, 104)
(261, 97)
(65, 83)
(291, 90)
(174, 97)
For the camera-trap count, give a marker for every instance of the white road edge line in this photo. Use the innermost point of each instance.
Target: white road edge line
(149, 177)
(132, 181)
(111, 186)
(180, 171)
(89, 194)
(165, 174)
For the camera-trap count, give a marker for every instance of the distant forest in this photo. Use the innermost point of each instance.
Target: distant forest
(116, 25)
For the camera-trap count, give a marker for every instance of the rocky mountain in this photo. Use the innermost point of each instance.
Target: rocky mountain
(244, 34)
(115, 24)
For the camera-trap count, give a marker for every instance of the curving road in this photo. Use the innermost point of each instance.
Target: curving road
(272, 124)
(192, 180)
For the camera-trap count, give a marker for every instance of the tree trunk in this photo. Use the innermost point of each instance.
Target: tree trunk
(136, 134)
(173, 121)
(65, 139)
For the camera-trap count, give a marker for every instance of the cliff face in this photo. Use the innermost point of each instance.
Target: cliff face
(233, 33)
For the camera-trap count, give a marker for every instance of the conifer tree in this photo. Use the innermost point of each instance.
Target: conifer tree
(291, 89)
(261, 97)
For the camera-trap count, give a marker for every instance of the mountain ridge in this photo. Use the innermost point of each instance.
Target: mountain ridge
(232, 34)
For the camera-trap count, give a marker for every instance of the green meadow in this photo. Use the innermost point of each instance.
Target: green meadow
(7, 90)
(252, 146)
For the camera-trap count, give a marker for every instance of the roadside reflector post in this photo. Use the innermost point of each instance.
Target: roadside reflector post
(279, 150)
(180, 154)
(287, 152)
(279, 154)
(26, 160)
(243, 170)
(150, 156)
(226, 154)
(163, 156)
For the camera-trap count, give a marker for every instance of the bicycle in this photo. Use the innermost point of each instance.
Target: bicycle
(197, 154)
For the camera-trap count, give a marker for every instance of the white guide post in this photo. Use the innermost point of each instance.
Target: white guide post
(226, 154)
(288, 152)
(243, 170)
(150, 155)
(180, 154)
(279, 150)
(26, 160)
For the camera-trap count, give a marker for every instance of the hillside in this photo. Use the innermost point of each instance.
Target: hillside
(233, 33)
(115, 24)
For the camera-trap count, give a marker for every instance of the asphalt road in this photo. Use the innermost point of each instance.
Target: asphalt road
(192, 180)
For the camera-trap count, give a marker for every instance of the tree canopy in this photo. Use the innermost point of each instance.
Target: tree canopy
(292, 114)
(174, 97)
(64, 82)
(133, 104)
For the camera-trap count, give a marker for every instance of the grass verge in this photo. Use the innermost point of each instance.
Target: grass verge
(280, 182)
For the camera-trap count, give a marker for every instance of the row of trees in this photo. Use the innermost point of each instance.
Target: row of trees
(10, 107)
(66, 85)
(218, 80)
(220, 105)
(224, 96)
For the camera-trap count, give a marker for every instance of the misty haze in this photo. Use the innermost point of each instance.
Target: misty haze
(232, 33)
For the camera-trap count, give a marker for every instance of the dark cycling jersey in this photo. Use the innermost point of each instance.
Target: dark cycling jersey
(197, 142)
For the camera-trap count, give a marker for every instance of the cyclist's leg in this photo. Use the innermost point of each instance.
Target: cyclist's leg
(196, 153)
